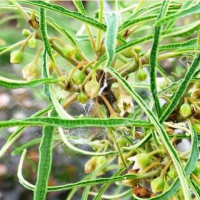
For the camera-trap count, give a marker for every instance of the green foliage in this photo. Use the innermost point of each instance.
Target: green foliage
(99, 61)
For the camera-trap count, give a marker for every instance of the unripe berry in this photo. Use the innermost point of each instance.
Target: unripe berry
(185, 110)
(32, 43)
(101, 160)
(157, 185)
(142, 75)
(196, 127)
(172, 174)
(16, 57)
(26, 32)
(68, 51)
(30, 72)
(92, 89)
(82, 98)
(79, 77)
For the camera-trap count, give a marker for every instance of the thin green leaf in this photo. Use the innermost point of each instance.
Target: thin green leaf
(75, 123)
(181, 89)
(111, 34)
(45, 161)
(80, 6)
(153, 62)
(185, 12)
(10, 83)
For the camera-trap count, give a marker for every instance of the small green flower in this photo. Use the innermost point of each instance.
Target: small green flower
(32, 43)
(124, 104)
(82, 98)
(16, 57)
(185, 110)
(157, 185)
(142, 75)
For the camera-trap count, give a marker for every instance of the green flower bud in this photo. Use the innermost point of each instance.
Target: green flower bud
(137, 49)
(32, 43)
(196, 171)
(79, 77)
(128, 53)
(122, 141)
(142, 75)
(143, 159)
(30, 72)
(90, 165)
(172, 174)
(157, 184)
(26, 32)
(82, 98)
(185, 110)
(16, 57)
(180, 193)
(196, 127)
(92, 89)
(68, 51)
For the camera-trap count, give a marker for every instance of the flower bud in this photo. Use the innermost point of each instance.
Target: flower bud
(68, 51)
(172, 174)
(32, 43)
(122, 142)
(180, 193)
(82, 98)
(92, 89)
(79, 77)
(185, 110)
(137, 49)
(142, 75)
(16, 57)
(196, 171)
(196, 127)
(90, 165)
(30, 72)
(157, 184)
(143, 159)
(26, 32)
(101, 160)
(128, 53)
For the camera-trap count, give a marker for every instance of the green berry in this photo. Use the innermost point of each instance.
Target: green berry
(128, 53)
(79, 77)
(143, 159)
(185, 110)
(16, 57)
(101, 160)
(68, 51)
(157, 185)
(172, 174)
(142, 75)
(26, 32)
(32, 43)
(82, 98)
